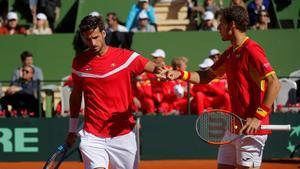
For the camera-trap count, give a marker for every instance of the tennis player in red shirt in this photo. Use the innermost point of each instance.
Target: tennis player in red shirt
(252, 84)
(103, 75)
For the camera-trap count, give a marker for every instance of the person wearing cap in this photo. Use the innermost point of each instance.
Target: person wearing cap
(41, 27)
(133, 16)
(253, 87)
(207, 23)
(12, 27)
(148, 86)
(213, 95)
(214, 54)
(143, 23)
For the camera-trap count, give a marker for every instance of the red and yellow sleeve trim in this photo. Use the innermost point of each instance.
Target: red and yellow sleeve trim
(262, 112)
(267, 74)
(185, 75)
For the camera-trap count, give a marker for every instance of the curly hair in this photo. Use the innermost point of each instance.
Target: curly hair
(90, 23)
(237, 14)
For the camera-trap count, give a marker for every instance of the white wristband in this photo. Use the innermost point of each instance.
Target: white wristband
(73, 122)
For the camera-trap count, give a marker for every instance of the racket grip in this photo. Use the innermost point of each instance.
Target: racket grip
(276, 127)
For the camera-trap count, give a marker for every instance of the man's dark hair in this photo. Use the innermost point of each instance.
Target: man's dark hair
(25, 54)
(91, 23)
(237, 14)
(113, 14)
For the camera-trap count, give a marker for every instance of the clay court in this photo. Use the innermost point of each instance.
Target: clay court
(157, 164)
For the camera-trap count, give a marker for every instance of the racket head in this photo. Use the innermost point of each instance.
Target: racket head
(218, 126)
(56, 158)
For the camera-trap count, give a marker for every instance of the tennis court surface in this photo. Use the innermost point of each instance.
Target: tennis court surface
(157, 164)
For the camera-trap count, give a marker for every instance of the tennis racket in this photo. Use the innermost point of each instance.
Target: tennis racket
(222, 127)
(57, 157)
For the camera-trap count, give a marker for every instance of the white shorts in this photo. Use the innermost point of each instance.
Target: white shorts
(117, 152)
(246, 151)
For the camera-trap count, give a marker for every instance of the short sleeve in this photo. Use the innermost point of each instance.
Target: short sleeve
(259, 61)
(138, 64)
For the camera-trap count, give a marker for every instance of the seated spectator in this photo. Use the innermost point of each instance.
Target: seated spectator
(254, 7)
(27, 60)
(263, 20)
(210, 5)
(133, 19)
(238, 3)
(210, 96)
(143, 24)
(158, 57)
(41, 27)
(208, 23)
(12, 27)
(51, 8)
(214, 54)
(113, 23)
(207, 63)
(21, 95)
(142, 99)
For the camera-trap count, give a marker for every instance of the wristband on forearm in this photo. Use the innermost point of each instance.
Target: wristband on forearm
(73, 122)
(185, 75)
(262, 112)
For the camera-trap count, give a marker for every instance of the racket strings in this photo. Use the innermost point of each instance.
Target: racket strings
(217, 127)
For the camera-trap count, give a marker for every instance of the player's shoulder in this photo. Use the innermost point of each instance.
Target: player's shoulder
(124, 53)
(251, 44)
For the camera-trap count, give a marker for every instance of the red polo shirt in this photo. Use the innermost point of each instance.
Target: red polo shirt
(246, 68)
(106, 82)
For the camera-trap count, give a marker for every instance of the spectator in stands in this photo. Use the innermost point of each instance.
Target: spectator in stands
(238, 3)
(214, 54)
(194, 9)
(27, 60)
(21, 95)
(253, 9)
(33, 8)
(12, 27)
(143, 24)
(213, 95)
(41, 27)
(113, 23)
(52, 10)
(158, 56)
(208, 23)
(263, 20)
(210, 5)
(133, 17)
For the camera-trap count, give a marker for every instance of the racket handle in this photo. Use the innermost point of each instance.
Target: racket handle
(276, 127)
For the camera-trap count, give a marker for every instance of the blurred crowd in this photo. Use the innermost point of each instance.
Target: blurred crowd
(42, 16)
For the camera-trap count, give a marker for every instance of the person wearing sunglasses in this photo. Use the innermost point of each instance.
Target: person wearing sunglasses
(263, 20)
(21, 95)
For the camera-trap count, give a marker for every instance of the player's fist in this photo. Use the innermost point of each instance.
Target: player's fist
(173, 74)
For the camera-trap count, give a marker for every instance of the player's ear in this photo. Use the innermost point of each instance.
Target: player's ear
(103, 33)
(232, 25)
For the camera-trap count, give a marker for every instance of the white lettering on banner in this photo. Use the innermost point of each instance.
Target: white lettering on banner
(18, 144)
